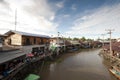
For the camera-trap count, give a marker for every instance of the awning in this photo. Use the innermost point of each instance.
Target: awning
(29, 55)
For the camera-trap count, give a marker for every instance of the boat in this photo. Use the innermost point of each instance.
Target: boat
(115, 71)
(32, 77)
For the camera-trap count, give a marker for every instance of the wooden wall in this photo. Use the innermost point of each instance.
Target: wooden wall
(34, 40)
(16, 39)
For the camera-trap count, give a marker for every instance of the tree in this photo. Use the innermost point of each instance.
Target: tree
(108, 39)
(67, 38)
(89, 40)
(99, 39)
(83, 39)
(75, 38)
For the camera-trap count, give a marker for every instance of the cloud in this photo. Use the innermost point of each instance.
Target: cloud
(66, 15)
(40, 8)
(105, 17)
(34, 16)
(60, 4)
(73, 7)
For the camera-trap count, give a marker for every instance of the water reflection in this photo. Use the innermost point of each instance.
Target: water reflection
(85, 65)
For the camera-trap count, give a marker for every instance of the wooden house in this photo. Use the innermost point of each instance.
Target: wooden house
(23, 38)
(27, 41)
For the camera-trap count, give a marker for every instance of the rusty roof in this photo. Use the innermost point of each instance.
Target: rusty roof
(26, 34)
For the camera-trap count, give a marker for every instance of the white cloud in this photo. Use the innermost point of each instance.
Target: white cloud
(34, 16)
(60, 4)
(107, 17)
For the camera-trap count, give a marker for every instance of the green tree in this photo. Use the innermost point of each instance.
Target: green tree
(89, 40)
(83, 39)
(67, 38)
(75, 38)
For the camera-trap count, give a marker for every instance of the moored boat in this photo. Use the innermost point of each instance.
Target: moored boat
(115, 71)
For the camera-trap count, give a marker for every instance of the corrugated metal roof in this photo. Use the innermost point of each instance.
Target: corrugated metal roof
(1, 35)
(27, 34)
(7, 56)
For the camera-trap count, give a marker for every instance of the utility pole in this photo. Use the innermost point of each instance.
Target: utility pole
(15, 18)
(58, 38)
(58, 43)
(103, 40)
(110, 32)
(63, 42)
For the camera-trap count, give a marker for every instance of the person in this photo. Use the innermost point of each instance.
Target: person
(5, 73)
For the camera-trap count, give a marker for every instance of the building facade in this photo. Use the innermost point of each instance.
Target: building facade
(26, 41)
(23, 39)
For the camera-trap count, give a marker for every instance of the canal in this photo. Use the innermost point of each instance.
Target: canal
(83, 65)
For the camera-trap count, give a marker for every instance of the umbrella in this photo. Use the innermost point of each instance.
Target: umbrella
(32, 77)
(30, 55)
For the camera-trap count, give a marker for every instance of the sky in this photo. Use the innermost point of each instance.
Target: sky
(72, 18)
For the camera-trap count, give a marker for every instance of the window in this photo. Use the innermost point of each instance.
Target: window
(34, 40)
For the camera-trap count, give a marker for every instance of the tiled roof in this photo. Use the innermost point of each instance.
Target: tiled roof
(27, 34)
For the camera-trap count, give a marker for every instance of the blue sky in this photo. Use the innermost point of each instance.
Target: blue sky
(72, 18)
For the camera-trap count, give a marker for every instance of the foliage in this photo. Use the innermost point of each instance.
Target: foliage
(76, 38)
(83, 39)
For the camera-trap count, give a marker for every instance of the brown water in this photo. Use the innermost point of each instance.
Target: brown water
(84, 65)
